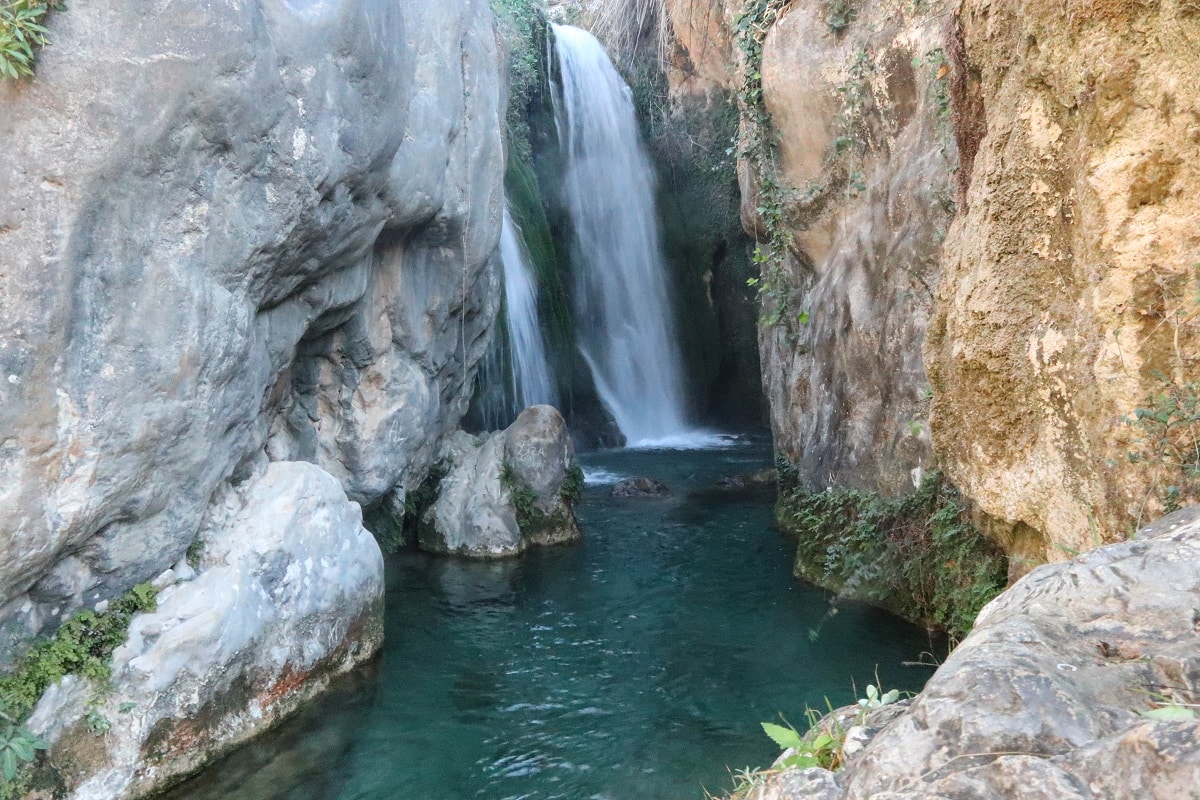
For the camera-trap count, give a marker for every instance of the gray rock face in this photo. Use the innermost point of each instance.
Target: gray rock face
(503, 492)
(1045, 698)
(233, 227)
(289, 594)
(846, 387)
(472, 515)
(538, 450)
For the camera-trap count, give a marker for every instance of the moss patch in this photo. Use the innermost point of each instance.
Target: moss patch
(917, 556)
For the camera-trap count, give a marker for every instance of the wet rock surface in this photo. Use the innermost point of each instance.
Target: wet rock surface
(1045, 698)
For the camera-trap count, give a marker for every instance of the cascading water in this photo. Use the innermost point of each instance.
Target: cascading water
(531, 381)
(522, 348)
(623, 321)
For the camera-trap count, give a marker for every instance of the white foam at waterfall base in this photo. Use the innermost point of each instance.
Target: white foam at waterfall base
(689, 440)
(600, 477)
(623, 316)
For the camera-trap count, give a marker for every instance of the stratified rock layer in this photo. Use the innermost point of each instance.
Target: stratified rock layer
(1044, 699)
(1069, 284)
(230, 227)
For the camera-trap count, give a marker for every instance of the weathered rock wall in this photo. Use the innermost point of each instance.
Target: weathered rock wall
(229, 227)
(865, 156)
(1061, 300)
(1070, 285)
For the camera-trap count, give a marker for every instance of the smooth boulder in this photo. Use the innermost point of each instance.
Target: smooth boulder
(287, 595)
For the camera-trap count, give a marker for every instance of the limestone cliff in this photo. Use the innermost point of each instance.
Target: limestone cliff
(1070, 286)
(230, 234)
(865, 157)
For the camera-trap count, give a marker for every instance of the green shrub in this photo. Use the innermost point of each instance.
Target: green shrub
(523, 26)
(839, 14)
(917, 556)
(571, 490)
(1169, 433)
(83, 645)
(524, 499)
(22, 32)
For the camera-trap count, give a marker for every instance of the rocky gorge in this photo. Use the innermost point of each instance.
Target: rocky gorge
(249, 272)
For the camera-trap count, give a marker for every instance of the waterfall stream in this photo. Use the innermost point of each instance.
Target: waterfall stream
(624, 317)
(531, 380)
(515, 372)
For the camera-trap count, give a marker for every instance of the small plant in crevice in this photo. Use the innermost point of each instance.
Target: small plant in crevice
(524, 499)
(917, 556)
(416, 502)
(83, 645)
(18, 750)
(820, 746)
(530, 517)
(839, 14)
(758, 144)
(195, 553)
(22, 33)
(523, 24)
(571, 490)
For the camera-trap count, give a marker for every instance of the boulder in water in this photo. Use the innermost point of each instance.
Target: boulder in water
(287, 594)
(640, 487)
(505, 491)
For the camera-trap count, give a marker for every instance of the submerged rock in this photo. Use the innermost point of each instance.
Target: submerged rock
(1048, 696)
(288, 594)
(640, 487)
(505, 491)
(749, 480)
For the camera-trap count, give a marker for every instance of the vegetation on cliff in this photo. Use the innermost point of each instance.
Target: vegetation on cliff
(916, 556)
(83, 645)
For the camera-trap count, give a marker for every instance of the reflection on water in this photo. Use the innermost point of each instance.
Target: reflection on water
(635, 666)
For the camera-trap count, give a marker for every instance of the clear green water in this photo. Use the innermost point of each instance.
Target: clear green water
(635, 666)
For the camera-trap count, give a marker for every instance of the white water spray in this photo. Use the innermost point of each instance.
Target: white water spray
(623, 319)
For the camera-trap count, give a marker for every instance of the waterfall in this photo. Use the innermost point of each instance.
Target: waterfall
(531, 381)
(515, 373)
(624, 318)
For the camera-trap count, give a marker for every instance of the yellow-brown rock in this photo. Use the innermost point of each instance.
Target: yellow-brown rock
(1069, 286)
